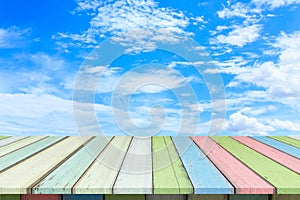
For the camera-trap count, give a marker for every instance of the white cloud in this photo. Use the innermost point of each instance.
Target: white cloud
(236, 10)
(284, 125)
(272, 4)
(13, 37)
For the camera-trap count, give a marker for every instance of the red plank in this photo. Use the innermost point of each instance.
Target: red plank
(244, 179)
(276, 155)
(40, 197)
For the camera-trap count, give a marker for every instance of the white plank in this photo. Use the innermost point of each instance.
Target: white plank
(135, 176)
(10, 140)
(297, 137)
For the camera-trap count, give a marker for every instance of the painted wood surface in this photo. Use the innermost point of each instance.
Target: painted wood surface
(135, 176)
(279, 145)
(10, 140)
(10, 197)
(63, 178)
(21, 154)
(286, 197)
(287, 140)
(21, 178)
(83, 197)
(3, 137)
(40, 197)
(243, 179)
(207, 197)
(101, 175)
(285, 180)
(165, 197)
(297, 137)
(206, 178)
(169, 175)
(248, 197)
(19, 144)
(276, 155)
(125, 197)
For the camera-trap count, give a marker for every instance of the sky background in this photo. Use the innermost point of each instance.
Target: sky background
(44, 45)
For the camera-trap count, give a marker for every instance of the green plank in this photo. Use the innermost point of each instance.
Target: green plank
(248, 197)
(165, 197)
(3, 137)
(286, 197)
(207, 197)
(169, 176)
(285, 180)
(9, 197)
(287, 140)
(124, 197)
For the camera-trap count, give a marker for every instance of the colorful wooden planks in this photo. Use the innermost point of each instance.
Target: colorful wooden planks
(40, 197)
(83, 197)
(165, 197)
(62, 179)
(135, 176)
(206, 178)
(125, 197)
(9, 140)
(287, 140)
(248, 197)
(243, 179)
(169, 175)
(285, 197)
(10, 197)
(285, 180)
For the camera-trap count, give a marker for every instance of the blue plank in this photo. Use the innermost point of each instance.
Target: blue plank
(279, 145)
(205, 177)
(83, 197)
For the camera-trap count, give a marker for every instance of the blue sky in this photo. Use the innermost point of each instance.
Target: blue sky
(55, 78)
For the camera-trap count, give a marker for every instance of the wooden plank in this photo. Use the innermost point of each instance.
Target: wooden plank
(10, 197)
(10, 140)
(285, 180)
(165, 197)
(286, 197)
(207, 197)
(23, 153)
(287, 140)
(19, 144)
(243, 179)
(135, 176)
(63, 178)
(169, 175)
(101, 175)
(297, 137)
(279, 145)
(40, 197)
(125, 197)
(285, 159)
(20, 178)
(83, 197)
(206, 178)
(248, 197)
(3, 137)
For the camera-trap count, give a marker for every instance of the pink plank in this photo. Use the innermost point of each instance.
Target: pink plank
(244, 179)
(276, 155)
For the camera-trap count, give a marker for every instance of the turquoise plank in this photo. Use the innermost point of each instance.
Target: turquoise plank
(249, 197)
(62, 179)
(25, 152)
(205, 177)
(82, 197)
(279, 145)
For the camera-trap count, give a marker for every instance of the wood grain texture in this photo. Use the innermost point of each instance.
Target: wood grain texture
(101, 175)
(243, 179)
(20, 178)
(19, 144)
(165, 197)
(10, 197)
(23, 153)
(276, 155)
(285, 180)
(10, 140)
(206, 178)
(83, 197)
(248, 197)
(207, 197)
(287, 140)
(279, 145)
(40, 197)
(63, 178)
(125, 197)
(286, 197)
(169, 175)
(135, 176)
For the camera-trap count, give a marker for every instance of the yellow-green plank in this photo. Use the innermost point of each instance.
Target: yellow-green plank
(287, 140)
(285, 180)
(3, 137)
(207, 197)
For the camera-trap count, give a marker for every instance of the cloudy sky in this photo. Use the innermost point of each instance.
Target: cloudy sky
(57, 77)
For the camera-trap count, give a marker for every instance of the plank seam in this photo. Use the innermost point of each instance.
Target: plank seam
(14, 141)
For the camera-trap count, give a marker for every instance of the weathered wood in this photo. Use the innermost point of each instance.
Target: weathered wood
(287, 140)
(62, 179)
(83, 197)
(20, 178)
(125, 197)
(101, 175)
(10, 197)
(285, 180)
(135, 176)
(276, 155)
(243, 179)
(40, 197)
(165, 197)
(206, 178)
(9, 140)
(207, 197)
(279, 145)
(21, 154)
(248, 197)
(286, 197)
